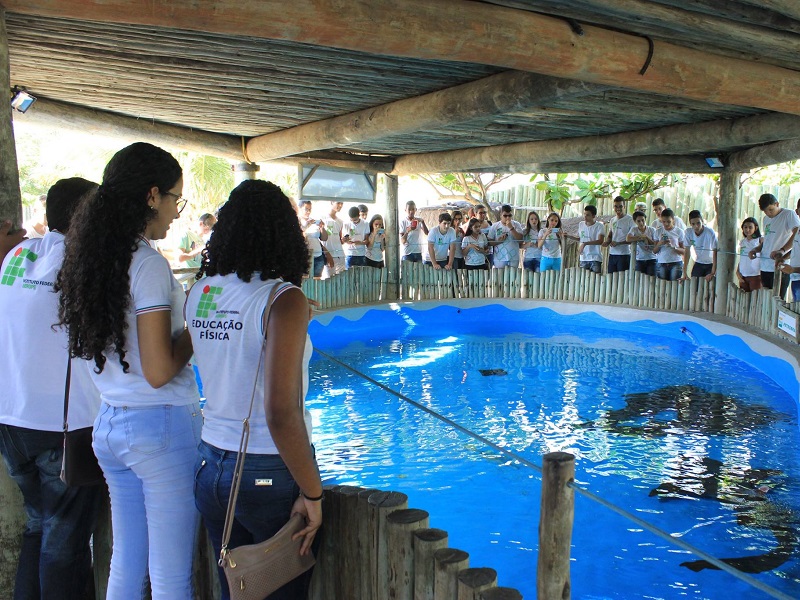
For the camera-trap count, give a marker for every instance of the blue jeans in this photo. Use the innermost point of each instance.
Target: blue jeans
(55, 560)
(619, 262)
(413, 257)
(796, 291)
(532, 264)
(647, 266)
(355, 261)
(261, 510)
(147, 455)
(671, 271)
(595, 266)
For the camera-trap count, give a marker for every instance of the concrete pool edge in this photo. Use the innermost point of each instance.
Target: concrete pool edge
(755, 348)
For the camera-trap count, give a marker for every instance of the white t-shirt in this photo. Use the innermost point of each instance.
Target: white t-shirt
(552, 244)
(644, 251)
(459, 239)
(533, 251)
(441, 242)
(666, 253)
(591, 233)
(358, 232)
(310, 229)
(415, 241)
(776, 232)
(153, 289)
(679, 224)
(618, 232)
(750, 267)
(34, 364)
(508, 250)
(333, 244)
(471, 256)
(703, 244)
(375, 252)
(794, 261)
(227, 339)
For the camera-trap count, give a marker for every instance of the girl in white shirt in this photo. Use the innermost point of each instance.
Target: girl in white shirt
(475, 246)
(749, 270)
(376, 242)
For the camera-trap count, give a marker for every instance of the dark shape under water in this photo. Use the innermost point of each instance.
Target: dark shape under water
(687, 409)
(745, 489)
(488, 372)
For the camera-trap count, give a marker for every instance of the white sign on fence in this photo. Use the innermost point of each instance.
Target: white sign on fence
(787, 324)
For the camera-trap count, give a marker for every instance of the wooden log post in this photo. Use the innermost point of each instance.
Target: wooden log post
(367, 550)
(401, 524)
(10, 196)
(426, 543)
(448, 562)
(323, 581)
(726, 236)
(555, 527)
(243, 171)
(381, 505)
(348, 575)
(471, 582)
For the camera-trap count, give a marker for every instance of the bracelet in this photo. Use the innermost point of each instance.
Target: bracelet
(312, 499)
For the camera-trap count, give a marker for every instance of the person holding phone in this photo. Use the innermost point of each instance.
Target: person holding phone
(376, 242)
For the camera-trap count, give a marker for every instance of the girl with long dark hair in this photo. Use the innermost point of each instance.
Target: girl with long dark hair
(251, 271)
(123, 310)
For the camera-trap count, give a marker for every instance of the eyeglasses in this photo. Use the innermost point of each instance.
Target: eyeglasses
(180, 201)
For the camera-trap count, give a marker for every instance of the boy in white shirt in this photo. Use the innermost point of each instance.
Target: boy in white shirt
(504, 238)
(703, 240)
(669, 248)
(591, 234)
(793, 268)
(659, 207)
(411, 232)
(442, 244)
(333, 226)
(644, 236)
(619, 253)
(354, 235)
(778, 233)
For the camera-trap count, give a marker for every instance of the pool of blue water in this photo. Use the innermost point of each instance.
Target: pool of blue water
(665, 420)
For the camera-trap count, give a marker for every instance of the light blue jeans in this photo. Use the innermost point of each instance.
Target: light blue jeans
(147, 455)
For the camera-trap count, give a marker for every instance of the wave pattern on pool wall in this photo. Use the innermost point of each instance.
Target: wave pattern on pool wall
(686, 435)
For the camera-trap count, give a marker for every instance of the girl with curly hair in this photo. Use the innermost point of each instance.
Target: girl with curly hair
(252, 265)
(123, 310)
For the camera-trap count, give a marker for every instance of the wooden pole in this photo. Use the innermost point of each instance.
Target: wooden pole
(448, 562)
(401, 525)
(471, 582)
(392, 255)
(421, 29)
(426, 543)
(789, 8)
(726, 237)
(10, 196)
(667, 140)
(765, 155)
(380, 505)
(500, 593)
(243, 171)
(555, 527)
(349, 571)
(365, 537)
(505, 92)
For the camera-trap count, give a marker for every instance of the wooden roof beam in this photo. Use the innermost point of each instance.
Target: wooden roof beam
(762, 156)
(674, 139)
(789, 8)
(626, 164)
(472, 32)
(497, 94)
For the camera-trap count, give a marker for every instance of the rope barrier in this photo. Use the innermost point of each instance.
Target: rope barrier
(752, 581)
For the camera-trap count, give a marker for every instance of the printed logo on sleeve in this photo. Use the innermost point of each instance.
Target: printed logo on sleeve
(15, 266)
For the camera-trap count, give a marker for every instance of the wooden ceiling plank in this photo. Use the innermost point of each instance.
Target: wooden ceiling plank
(674, 139)
(472, 32)
(497, 94)
(789, 8)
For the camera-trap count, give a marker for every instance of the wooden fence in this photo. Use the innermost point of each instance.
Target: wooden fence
(358, 285)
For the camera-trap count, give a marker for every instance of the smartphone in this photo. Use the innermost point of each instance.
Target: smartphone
(554, 230)
(380, 231)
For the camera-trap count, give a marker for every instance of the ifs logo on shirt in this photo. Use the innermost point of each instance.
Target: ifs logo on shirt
(15, 268)
(207, 303)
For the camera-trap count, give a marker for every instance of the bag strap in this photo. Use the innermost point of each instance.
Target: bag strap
(66, 392)
(237, 471)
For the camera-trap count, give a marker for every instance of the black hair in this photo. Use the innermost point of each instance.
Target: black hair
(638, 214)
(353, 213)
(667, 212)
(205, 218)
(374, 219)
(619, 199)
(63, 199)
(445, 217)
(94, 281)
(302, 203)
(257, 232)
(472, 222)
(363, 208)
(557, 216)
(411, 203)
(506, 208)
(695, 214)
(591, 208)
(765, 200)
(459, 213)
(658, 201)
(528, 222)
(757, 232)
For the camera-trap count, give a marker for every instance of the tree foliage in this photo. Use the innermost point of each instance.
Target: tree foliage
(473, 187)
